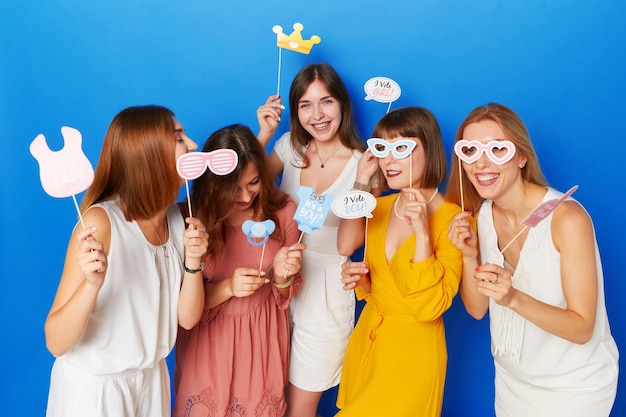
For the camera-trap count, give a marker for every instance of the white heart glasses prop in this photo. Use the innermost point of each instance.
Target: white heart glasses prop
(400, 149)
(469, 151)
(498, 151)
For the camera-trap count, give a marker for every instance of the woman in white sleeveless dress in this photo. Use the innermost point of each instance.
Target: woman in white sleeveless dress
(321, 151)
(553, 350)
(131, 275)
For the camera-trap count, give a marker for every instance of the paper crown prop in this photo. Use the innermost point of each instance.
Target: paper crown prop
(66, 172)
(294, 42)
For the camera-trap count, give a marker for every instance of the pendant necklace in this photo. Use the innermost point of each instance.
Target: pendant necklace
(320, 158)
(161, 242)
(395, 204)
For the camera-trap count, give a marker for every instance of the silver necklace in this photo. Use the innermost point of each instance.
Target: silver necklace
(395, 204)
(326, 160)
(161, 242)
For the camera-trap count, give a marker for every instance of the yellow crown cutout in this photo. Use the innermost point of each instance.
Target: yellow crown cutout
(294, 42)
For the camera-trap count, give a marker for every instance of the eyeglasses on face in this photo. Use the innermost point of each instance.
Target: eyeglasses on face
(400, 149)
(498, 151)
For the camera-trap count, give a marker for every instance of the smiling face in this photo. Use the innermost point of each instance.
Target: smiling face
(406, 171)
(248, 188)
(319, 112)
(488, 177)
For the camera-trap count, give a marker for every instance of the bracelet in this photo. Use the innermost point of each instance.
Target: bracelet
(194, 271)
(279, 285)
(361, 187)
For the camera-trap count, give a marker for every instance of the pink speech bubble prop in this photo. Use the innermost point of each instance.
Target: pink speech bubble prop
(544, 209)
(66, 172)
(539, 213)
(463, 145)
(192, 165)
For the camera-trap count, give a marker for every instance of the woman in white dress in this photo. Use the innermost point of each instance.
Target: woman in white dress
(321, 151)
(131, 275)
(543, 286)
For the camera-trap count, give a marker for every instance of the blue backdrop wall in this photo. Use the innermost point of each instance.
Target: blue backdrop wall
(560, 64)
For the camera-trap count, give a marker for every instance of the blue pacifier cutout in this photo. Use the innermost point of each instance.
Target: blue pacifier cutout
(258, 230)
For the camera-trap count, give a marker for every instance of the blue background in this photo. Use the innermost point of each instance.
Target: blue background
(560, 64)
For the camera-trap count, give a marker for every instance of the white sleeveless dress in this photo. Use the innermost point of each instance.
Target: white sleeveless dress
(539, 374)
(118, 368)
(322, 313)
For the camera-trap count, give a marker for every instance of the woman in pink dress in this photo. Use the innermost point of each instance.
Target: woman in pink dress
(234, 362)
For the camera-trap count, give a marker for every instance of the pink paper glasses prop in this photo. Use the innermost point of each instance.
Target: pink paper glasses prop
(192, 165)
(469, 151)
(66, 172)
(539, 213)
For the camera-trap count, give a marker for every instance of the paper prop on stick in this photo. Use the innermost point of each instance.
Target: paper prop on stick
(293, 42)
(354, 205)
(258, 230)
(192, 165)
(383, 90)
(312, 209)
(66, 172)
(539, 213)
(469, 151)
(400, 149)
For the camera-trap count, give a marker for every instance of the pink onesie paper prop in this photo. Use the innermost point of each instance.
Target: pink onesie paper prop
(192, 165)
(539, 213)
(293, 42)
(66, 172)
(383, 90)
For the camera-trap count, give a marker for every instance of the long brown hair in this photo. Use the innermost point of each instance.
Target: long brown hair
(515, 131)
(348, 131)
(420, 123)
(137, 163)
(213, 196)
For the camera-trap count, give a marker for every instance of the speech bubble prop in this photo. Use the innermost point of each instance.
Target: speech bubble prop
(293, 42)
(66, 172)
(539, 213)
(383, 90)
(354, 205)
(312, 209)
(544, 209)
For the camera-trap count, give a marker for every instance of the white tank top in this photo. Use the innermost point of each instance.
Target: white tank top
(135, 319)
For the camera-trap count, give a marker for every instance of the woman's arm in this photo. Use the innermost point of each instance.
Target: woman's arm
(268, 116)
(83, 276)
(191, 298)
(462, 234)
(575, 322)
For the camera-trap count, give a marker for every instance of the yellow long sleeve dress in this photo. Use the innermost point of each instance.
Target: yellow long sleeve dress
(395, 362)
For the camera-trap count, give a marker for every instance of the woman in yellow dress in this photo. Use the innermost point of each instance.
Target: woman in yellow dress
(395, 362)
